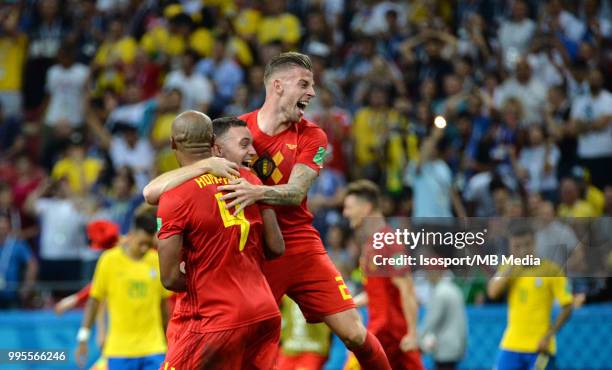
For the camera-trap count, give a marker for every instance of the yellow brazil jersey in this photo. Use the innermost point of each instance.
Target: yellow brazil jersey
(133, 293)
(87, 170)
(123, 50)
(284, 28)
(12, 57)
(530, 302)
(581, 208)
(247, 22)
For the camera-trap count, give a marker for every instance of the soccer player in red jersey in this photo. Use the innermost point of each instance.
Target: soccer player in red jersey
(228, 316)
(291, 151)
(389, 291)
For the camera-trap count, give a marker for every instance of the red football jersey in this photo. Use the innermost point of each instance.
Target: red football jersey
(223, 254)
(384, 300)
(305, 143)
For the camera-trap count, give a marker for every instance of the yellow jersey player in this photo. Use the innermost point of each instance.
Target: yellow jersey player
(529, 340)
(127, 279)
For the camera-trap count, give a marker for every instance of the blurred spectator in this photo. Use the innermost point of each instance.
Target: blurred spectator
(196, 88)
(8, 207)
(146, 74)
(325, 196)
(18, 267)
(223, 71)
(118, 47)
(62, 221)
(13, 48)
(80, 170)
(336, 122)
(257, 93)
(525, 87)
(169, 105)
(557, 113)
(278, 25)
(239, 103)
(371, 127)
(89, 30)
(444, 332)
(515, 34)
(555, 241)
(126, 148)
(46, 28)
(11, 141)
(121, 201)
(592, 118)
(572, 202)
(537, 164)
(559, 19)
(67, 89)
(431, 180)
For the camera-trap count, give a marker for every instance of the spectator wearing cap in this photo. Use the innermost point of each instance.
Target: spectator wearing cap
(18, 267)
(77, 167)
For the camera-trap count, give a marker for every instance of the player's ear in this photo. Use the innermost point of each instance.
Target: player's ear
(172, 143)
(278, 86)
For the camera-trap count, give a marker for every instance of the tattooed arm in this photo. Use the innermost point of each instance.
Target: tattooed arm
(292, 193)
(295, 190)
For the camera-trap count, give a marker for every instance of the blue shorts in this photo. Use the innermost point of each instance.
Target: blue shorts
(152, 362)
(508, 360)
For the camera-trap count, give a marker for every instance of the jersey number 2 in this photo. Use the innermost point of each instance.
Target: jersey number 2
(231, 220)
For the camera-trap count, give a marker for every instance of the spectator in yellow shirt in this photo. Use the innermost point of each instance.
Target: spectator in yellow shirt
(572, 205)
(278, 25)
(117, 47)
(177, 37)
(80, 170)
(13, 47)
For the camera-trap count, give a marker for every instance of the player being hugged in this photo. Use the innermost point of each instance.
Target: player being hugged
(226, 316)
(290, 153)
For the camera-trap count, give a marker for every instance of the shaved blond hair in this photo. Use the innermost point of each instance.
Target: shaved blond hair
(192, 131)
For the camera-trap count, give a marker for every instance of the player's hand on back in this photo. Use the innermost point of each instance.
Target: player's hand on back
(220, 167)
(241, 194)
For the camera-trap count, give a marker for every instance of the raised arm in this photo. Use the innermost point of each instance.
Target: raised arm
(274, 243)
(169, 180)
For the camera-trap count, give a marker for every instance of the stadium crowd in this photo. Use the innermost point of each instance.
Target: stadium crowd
(88, 91)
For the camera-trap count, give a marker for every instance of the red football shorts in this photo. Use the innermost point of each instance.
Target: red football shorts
(303, 361)
(251, 347)
(312, 281)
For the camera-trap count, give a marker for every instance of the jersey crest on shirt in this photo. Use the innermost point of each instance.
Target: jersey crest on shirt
(266, 166)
